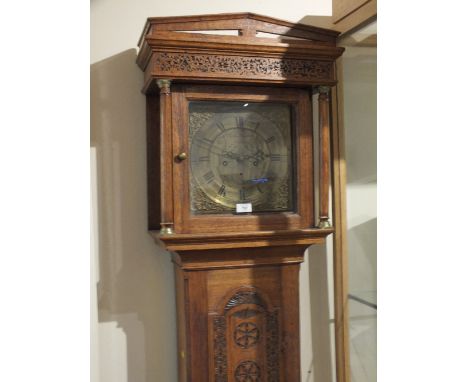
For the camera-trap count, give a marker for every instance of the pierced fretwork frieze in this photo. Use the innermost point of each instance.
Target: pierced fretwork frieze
(204, 65)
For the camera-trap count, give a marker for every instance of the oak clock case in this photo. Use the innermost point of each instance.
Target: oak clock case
(231, 183)
(241, 146)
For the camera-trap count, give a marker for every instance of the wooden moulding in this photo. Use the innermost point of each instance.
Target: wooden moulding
(344, 8)
(298, 54)
(186, 242)
(360, 16)
(201, 259)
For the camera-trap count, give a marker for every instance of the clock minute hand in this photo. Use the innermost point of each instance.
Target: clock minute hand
(218, 150)
(210, 147)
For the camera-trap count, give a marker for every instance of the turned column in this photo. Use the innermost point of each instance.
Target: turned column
(324, 136)
(167, 206)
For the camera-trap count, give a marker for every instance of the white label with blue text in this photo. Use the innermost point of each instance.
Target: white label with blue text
(243, 207)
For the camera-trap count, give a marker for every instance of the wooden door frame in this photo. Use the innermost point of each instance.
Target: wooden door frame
(340, 247)
(340, 241)
(346, 24)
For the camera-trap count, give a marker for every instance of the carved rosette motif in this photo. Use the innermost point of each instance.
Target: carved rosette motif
(247, 334)
(248, 67)
(247, 371)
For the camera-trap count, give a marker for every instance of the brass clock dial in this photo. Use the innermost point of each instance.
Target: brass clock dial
(240, 153)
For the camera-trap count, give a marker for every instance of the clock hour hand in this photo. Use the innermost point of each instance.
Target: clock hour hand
(258, 155)
(231, 155)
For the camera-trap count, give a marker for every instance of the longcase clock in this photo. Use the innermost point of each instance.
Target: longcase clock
(236, 190)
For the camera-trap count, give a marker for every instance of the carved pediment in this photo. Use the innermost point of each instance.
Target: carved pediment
(239, 47)
(244, 25)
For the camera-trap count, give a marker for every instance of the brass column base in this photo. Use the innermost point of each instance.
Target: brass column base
(324, 223)
(166, 229)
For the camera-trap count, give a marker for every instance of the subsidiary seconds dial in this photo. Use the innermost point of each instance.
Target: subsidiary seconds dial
(241, 156)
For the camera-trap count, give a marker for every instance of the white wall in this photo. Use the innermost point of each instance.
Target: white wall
(116, 25)
(136, 323)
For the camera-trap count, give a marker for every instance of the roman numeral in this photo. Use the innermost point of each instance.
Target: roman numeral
(220, 126)
(240, 122)
(204, 143)
(241, 194)
(222, 190)
(271, 139)
(275, 157)
(209, 176)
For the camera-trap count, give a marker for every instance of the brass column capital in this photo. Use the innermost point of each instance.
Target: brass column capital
(323, 89)
(164, 85)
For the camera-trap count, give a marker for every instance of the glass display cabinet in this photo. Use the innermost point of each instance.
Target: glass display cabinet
(359, 93)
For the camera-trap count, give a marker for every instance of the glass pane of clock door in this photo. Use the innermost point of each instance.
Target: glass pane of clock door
(241, 154)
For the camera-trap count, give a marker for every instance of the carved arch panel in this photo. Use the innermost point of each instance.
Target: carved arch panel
(246, 338)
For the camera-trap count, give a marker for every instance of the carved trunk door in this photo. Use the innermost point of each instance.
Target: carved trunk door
(246, 339)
